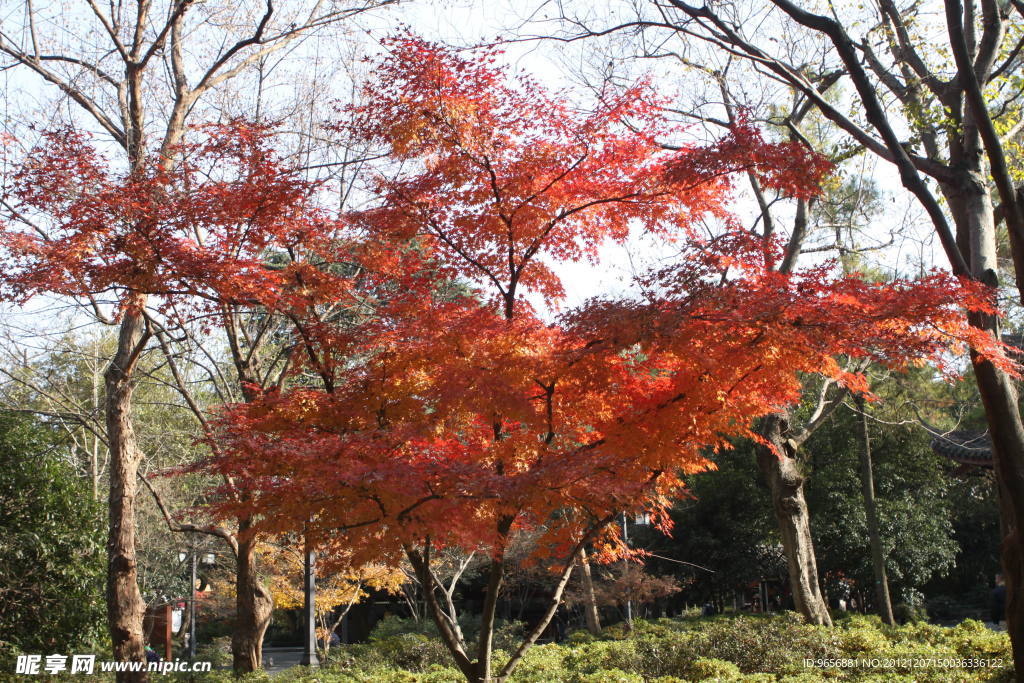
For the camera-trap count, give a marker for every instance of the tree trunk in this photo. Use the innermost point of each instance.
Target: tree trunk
(184, 629)
(485, 642)
(786, 483)
(590, 613)
(253, 607)
(999, 396)
(867, 483)
(125, 607)
(971, 205)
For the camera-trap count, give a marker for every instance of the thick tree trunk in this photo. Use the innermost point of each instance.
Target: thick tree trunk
(971, 204)
(253, 607)
(786, 483)
(999, 396)
(1002, 412)
(871, 512)
(590, 613)
(125, 606)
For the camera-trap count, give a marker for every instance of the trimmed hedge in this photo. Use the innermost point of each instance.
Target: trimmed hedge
(725, 648)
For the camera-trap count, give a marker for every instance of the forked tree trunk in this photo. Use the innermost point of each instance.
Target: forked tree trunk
(479, 670)
(125, 607)
(867, 481)
(253, 607)
(786, 483)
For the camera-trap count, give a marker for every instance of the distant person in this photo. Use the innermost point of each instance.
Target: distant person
(151, 655)
(999, 600)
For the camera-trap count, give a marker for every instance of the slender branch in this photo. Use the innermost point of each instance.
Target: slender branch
(76, 94)
(556, 597)
(421, 565)
(179, 527)
(876, 115)
(110, 29)
(968, 79)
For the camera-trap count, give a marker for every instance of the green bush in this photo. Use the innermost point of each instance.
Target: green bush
(542, 663)
(747, 648)
(52, 560)
(217, 652)
(908, 614)
(609, 676)
(410, 651)
(507, 635)
(703, 669)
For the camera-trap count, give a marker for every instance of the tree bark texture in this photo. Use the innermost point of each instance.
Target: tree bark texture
(786, 483)
(971, 206)
(485, 642)
(125, 606)
(253, 607)
(999, 396)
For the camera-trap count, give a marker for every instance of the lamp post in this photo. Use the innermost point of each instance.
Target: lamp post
(309, 657)
(625, 564)
(209, 559)
(191, 556)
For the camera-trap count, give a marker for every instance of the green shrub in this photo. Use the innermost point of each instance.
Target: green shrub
(726, 648)
(217, 652)
(703, 669)
(541, 664)
(392, 625)
(909, 614)
(507, 635)
(412, 651)
(602, 655)
(609, 676)
(972, 638)
(440, 674)
(580, 637)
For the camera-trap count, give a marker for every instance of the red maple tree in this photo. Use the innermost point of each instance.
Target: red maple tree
(183, 234)
(197, 230)
(457, 418)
